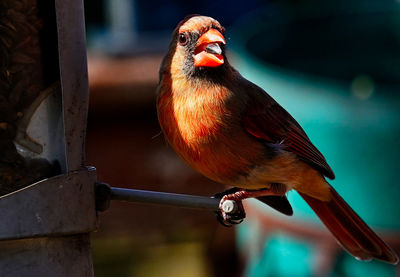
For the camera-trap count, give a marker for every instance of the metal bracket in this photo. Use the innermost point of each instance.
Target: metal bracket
(61, 205)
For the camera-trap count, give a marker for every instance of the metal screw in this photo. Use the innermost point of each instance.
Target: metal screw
(229, 206)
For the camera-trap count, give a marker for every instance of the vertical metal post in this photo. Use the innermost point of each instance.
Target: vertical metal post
(74, 78)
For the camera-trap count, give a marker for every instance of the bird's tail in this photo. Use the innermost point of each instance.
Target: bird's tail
(350, 230)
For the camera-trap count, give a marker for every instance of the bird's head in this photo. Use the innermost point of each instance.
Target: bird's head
(197, 46)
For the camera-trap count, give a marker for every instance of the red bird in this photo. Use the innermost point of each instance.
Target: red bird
(233, 132)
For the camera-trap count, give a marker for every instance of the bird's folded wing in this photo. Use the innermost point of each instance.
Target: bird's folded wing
(267, 120)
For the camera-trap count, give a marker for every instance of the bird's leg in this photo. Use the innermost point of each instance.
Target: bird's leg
(237, 195)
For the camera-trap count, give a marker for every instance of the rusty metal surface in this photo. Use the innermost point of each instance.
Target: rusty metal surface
(74, 78)
(42, 257)
(61, 205)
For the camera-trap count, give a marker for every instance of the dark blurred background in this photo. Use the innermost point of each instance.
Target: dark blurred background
(334, 65)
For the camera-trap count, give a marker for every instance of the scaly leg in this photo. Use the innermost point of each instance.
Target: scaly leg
(237, 195)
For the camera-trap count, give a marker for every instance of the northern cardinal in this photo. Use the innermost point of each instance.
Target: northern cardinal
(233, 132)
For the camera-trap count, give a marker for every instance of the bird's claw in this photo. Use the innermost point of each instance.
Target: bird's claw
(231, 211)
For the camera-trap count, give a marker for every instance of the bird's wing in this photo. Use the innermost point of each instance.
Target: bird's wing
(265, 119)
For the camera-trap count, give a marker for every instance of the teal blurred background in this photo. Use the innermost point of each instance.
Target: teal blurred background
(334, 65)
(336, 69)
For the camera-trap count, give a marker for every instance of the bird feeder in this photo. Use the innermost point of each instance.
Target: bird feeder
(45, 226)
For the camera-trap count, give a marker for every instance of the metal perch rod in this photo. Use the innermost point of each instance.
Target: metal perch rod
(172, 199)
(106, 193)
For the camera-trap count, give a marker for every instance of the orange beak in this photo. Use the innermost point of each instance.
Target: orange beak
(208, 51)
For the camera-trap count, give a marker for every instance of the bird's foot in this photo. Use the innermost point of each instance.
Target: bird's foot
(231, 211)
(231, 207)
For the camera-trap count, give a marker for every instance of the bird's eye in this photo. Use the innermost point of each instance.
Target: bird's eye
(183, 38)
